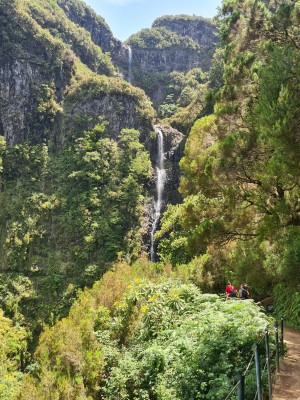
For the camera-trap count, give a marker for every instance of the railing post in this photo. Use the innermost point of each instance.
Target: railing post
(241, 388)
(281, 337)
(268, 364)
(277, 346)
(258, 374)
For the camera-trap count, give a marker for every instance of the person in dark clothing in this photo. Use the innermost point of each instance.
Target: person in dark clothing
(244, 292)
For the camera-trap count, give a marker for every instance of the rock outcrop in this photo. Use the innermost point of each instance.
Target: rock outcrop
(114, 101)
(101, 34)
(35, 71)
(38, 71)
(178, 43)
(201, 30)
(193, 47)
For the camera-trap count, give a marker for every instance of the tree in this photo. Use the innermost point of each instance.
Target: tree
(241, 165)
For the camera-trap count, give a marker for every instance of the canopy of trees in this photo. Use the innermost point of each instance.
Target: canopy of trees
(240, 182)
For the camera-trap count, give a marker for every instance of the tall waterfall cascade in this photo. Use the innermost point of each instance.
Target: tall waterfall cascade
(129, 49)
(160, 185)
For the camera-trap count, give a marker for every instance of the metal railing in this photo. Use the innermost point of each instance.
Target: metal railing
(239, 388)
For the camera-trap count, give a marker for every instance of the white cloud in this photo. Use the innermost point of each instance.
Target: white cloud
(123, 2)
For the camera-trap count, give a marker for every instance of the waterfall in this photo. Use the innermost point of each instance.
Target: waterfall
(129, 64)
(160, 184)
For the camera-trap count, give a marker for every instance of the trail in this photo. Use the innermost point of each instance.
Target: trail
(287, 385)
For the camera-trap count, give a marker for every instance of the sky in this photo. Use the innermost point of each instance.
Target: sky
(126, 17)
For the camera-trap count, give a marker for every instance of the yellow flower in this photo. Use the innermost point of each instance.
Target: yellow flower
(174, 293)
(144, 309)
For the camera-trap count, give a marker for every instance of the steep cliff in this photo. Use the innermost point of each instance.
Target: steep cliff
(173, 44)
(35, 70)
(110, 99)
(85, 17)
(160, 50)
(78, 180)
(200, 30)
(101, 35)
(45, 58)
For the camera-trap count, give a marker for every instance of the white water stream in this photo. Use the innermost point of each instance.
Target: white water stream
(129, 64)
(160, 185)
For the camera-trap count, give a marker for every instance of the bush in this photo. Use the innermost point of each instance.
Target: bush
(287, 304)
(141, 334)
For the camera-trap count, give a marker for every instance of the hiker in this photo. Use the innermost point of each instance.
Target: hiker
(241, 291)
(230, 291)
(244, 292)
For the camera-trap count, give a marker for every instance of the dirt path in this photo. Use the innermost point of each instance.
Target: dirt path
(287, 385)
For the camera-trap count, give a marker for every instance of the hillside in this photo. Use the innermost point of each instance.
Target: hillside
(75, 172)
(77, 158)
(96, 137)
(240, 214)
(164, 54)
(44, 60)
(141, 332)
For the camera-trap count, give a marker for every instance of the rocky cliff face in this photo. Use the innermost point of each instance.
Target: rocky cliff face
(101, 34)
(201, 30)
(178, 43)
(22, 85)
(165, 60)
(190, 46)
(111, 100)
(38, 70)
(34, 73)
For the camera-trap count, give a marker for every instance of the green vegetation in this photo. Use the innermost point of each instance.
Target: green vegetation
(83, 315)
(240, 181)
(83, 12)
(169, 19)
(182, 96)
(160, 38)
(140, 333)
(66, 217)
(51, 17)
(13, 345)
(14, 13)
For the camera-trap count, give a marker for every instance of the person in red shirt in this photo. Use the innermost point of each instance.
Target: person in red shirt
(230, 291)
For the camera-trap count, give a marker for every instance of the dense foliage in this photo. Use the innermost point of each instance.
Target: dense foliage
(169, 19)
(160, 38)
(50, 16)
(66, 216)
(241, 166)
(72, 203)
(13, 346)
(49, 25)
(141, 334)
